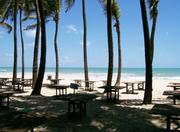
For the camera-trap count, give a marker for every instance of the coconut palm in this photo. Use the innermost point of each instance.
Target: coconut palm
(54, 11)
(116, 16)
(69, 4)
(21, 35)
(149, 46)
(39, 80)
(107, 6)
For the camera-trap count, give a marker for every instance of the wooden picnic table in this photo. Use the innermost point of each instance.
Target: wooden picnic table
(78, 81)
(4, 96)
(55, 81)
(77, 103)
(110, 89)
(129, 87)
(60, 89)
(3, 81)
(174, 86)
(104, 82)
(140, 85)
(175, 94)
(172, 113)
(89, 86)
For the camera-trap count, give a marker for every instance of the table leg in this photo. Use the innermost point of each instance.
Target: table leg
(132, 88)
(127, 88)
(168, 123)
(174, 99)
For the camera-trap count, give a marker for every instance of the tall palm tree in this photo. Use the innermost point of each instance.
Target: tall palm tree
(36, 46)
(69, 4)
(149, 48)
(15, 41)
(11, 10)
(107, 6)
(110, 43)
(21, 34)
(55, 8)
(38, 83)
(116, 16)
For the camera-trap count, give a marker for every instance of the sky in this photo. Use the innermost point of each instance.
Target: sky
(70, 36)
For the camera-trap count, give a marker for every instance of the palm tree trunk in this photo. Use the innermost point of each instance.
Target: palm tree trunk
(85, 44)
(55, 45)
(148, 85)
(118, 81)
(15, 42)
(36, 48)
(38, 83)
(22, 43)
(152, 37)
(110, 43)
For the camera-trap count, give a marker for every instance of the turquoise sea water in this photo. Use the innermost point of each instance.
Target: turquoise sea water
(159, 72)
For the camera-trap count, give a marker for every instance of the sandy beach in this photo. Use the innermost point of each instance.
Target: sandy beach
(46, 113)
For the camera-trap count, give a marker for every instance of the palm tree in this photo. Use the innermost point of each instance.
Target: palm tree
(21, 33)
(15, 41)
(110, 43)
(38, 83)
(149, 46)
(69, 4)
(11, 6)
(116, 16)
(55, 8)
(36, 47)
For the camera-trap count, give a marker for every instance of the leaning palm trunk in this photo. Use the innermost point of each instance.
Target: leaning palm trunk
(36, 48)
(15, 42)
(38, 83)
(110, 43)
(22, 43)
(118, 81)
(85, 44)
(148, 85)
(55, 45)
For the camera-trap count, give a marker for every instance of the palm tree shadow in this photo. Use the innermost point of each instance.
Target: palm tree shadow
(50, 114)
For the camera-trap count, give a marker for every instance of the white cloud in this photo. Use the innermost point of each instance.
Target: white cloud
(71, 29)
(30, 33)
(88, 43)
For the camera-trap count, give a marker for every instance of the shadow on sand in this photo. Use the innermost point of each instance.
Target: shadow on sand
(48, 114)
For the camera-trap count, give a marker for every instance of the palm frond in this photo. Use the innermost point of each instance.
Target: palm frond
(115, 10)
(7, 26)
(69, 4)
(31, 27)
(153, 7)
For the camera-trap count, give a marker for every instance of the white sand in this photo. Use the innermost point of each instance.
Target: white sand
(159, 84)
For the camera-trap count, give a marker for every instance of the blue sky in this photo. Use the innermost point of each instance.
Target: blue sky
(167, 40)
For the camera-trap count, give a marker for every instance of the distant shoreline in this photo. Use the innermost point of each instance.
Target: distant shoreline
(93, 71)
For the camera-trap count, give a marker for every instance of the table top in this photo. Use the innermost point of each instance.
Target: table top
(59, 86)
(90, 81)
(166, 109)
(56, 79)
(175, 92)
(77, 80)
(4, 78)
(112, 87)
(173, 85)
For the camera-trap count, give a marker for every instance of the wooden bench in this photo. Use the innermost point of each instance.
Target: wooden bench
(172, 113)
(77, 104)
(175, 94)
(4, 98)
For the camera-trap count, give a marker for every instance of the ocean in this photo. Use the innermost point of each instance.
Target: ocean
(157, 72)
